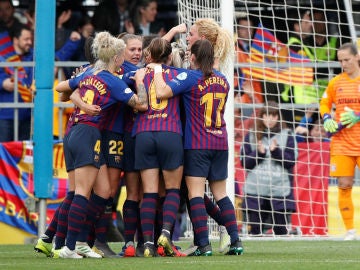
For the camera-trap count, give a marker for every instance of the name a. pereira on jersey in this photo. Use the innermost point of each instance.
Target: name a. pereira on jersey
(94, 82)
(212, 80)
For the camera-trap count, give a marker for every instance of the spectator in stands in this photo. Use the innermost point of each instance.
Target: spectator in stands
(250, 89)
(301, 27)
(68, 18)
(310, 128)
(75, 44)
(145, 22)
(62, 32)
(114, 16)
(7, 18)
(317, 132)
(22, 39)
(73, 26)
(269, 154)
(343, 92)
(323, 47)
(86, 30)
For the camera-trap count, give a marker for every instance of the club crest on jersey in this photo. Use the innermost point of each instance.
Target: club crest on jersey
(332, 167)
(181, 76)
(117, 159)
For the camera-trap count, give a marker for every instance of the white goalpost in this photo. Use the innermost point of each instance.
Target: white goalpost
(314, 192)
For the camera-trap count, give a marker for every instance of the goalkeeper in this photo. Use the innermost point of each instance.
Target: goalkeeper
(343, 92)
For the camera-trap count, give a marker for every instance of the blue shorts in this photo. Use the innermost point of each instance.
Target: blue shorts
(129, 153)
(158, 149)
(112, 148)
(68, 160)
(83, 147)
(211, 164)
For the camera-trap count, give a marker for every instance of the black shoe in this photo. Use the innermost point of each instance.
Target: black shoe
(150, 250)
(139, 250)
(113, 234)
(202, 251)
(236, 248)
(104, 249)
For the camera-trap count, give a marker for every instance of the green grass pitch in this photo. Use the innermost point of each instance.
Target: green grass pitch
(259, 254)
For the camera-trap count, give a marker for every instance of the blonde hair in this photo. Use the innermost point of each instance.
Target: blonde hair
(105, 47)
(126, 37)
(178, 55)
(219, 37)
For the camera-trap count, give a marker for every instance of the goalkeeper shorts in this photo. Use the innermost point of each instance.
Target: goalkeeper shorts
(343, 165)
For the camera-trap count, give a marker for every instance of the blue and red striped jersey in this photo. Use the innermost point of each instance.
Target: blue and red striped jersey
(129, 114)
(117, 118)
(100, 88)
(71, 120)
(204, 102)
(163, 114)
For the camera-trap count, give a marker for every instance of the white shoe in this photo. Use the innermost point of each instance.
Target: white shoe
(350, 235)
(224, 241)
(66, 253)
(83, 249)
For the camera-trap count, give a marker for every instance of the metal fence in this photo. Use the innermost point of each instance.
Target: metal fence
(17, 104)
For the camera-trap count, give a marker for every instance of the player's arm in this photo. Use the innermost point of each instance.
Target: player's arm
(326, 102)
(139, 101)
(163, 91)
(63, 86)
(178, 29)
(90, 109)
(65, 90)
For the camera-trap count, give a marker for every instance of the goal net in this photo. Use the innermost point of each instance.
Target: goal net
(285, 52)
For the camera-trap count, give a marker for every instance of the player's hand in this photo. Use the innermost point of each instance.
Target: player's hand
(140, 75)
(77, 71)
(181, 28)
(91, 109)
(65, 96)
(330, 124)
(349, 117)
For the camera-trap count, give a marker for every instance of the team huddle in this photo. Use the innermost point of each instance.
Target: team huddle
(163, 126)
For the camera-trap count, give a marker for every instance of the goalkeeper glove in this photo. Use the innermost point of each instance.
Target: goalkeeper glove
(349, 117)
(330, 124)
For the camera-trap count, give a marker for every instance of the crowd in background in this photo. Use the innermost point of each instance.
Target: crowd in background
(309, 35)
